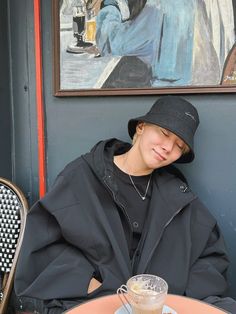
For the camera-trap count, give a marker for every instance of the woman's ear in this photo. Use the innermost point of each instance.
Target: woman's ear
(140, 128)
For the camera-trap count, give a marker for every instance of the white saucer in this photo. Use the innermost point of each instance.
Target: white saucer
(166, 310)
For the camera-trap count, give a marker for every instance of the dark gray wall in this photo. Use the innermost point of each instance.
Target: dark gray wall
(73, 125)
(5, 104)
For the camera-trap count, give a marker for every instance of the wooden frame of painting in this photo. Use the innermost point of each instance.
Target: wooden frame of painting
(122, 47)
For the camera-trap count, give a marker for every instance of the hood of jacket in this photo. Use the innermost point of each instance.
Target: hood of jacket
(100, 158)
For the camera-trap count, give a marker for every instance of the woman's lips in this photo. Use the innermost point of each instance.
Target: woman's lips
(159, 156)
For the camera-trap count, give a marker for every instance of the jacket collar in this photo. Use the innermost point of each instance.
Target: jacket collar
(101, 156)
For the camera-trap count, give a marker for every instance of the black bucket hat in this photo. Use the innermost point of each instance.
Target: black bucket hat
(176, 115)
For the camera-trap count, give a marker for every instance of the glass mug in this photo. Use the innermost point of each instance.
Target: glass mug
(143, 294)
(90, 30)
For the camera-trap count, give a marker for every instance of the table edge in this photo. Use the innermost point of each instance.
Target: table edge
(171, 294)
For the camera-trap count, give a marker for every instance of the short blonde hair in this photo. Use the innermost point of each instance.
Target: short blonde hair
(186, 149)
(134, 138)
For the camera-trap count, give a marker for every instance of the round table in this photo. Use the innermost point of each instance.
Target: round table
(109, 304)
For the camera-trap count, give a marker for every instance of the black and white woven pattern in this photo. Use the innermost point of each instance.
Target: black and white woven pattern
(9, 226)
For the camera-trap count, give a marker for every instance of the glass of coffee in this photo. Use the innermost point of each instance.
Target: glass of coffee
(144, 294)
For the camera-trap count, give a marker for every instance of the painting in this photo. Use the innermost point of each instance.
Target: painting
(142, 47)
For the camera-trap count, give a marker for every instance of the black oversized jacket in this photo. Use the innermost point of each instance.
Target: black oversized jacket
(75, 233)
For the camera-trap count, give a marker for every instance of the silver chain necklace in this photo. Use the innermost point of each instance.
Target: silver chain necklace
(143, 197)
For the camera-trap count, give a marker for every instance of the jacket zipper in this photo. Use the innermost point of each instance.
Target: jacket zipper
(123, 210)
(135, 259)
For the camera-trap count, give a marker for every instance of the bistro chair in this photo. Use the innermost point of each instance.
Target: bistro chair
(13, 211)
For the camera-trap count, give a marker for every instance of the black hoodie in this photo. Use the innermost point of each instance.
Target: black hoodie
(75, 233)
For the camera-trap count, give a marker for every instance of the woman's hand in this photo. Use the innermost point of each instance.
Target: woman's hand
(93, 285)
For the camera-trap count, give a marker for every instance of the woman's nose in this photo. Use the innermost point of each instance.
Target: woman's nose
(168, 145)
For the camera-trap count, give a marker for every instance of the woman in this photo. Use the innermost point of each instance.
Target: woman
(122, 210)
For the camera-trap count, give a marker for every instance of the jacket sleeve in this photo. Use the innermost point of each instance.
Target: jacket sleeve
(207, 277)
(48, 266)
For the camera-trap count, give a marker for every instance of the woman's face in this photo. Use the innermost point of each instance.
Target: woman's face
(157, 146)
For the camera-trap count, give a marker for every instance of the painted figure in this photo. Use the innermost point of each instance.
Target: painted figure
(185, 42)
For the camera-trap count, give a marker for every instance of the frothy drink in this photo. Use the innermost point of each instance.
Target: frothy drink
(147, 302)
(145, 293)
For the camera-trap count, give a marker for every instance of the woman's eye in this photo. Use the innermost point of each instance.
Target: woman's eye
(180, 146)
(164, 132)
